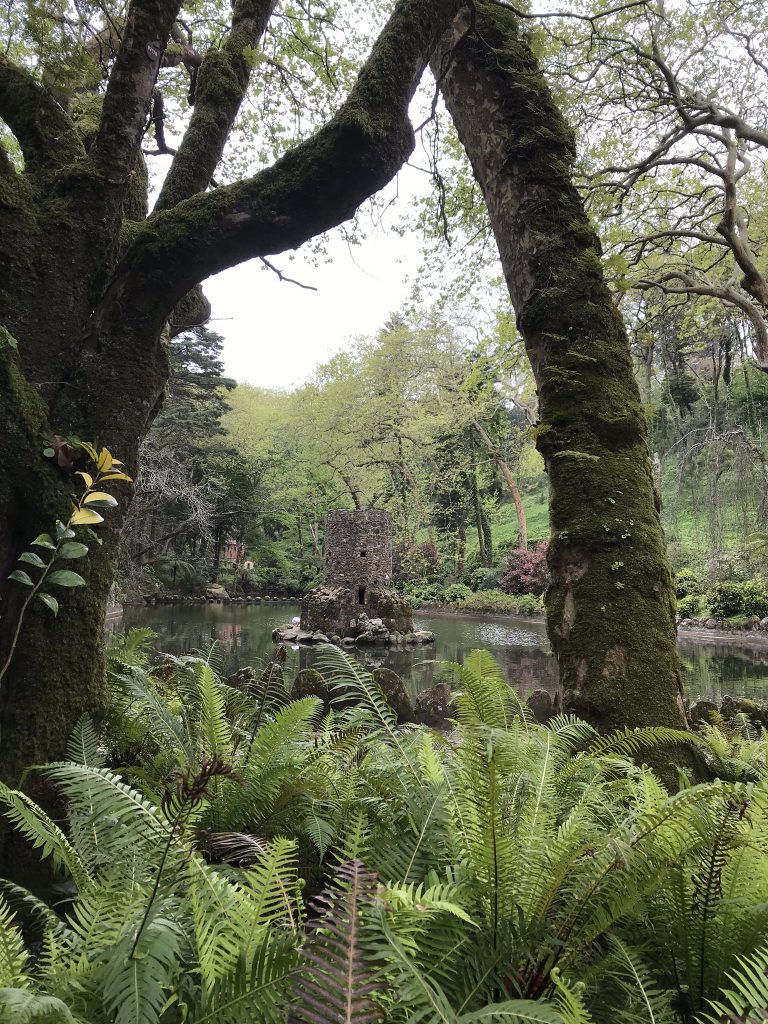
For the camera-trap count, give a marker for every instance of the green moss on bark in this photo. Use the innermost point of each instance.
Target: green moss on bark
(57, 671)
(610, 607)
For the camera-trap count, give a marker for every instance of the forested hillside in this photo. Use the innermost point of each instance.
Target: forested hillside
(439, 428)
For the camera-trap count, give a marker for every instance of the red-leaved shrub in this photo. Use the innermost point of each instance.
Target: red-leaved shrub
(525, 571)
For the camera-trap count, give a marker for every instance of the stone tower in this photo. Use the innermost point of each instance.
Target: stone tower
(357, 577)
(358, 550)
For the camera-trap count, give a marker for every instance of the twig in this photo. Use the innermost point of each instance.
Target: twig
(284, 277)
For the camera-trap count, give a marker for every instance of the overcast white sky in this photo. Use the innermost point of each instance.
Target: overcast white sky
(276, 333)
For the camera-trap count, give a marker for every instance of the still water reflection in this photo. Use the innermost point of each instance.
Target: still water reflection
(244, 635)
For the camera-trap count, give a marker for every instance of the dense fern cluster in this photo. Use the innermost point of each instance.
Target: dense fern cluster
(235, 856)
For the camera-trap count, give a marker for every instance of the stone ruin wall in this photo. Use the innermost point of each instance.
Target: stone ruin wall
(358, 548)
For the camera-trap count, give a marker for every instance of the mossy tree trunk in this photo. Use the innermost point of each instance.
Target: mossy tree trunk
(610, 606)
(88, 281)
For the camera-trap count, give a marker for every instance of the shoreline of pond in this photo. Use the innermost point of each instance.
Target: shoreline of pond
(740, 636)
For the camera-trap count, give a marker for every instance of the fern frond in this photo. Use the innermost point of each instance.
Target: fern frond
(44, 835)
(32, 907)
(271, 884)
(17, 1006)
(83, 745)
(258, 990)
(337, 979)
(120, 815)
(442, 897)
(515, 1011)
(487, 698)
(643, 1001)
(238, 848)
(569, 1000)
(13, 955)
(747, 1000)
(131, 649)
(427, 1003)
(215, 731)
(167, 728)
(137, 983)
(215, 903)
(347, 679)
(630, 742)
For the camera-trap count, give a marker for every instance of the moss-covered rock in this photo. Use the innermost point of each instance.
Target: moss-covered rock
(435, 707)
(309, 683)
(395, 693)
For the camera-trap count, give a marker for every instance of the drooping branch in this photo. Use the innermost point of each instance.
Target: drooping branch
(127, 100)
(314, 187)
(220, 86)
(45, 133)
(157, 116)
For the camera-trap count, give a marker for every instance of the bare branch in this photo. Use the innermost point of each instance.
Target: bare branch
(687, 285)
(284, 277)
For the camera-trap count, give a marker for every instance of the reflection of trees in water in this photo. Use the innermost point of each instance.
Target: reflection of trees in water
(524, 668)
(712, 670)
(709, 669)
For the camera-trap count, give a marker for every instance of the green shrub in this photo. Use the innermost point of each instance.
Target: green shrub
(454, 593)
(485, 579)
(755, 598)
(687, 583)
(726, 598)
(496, 602)
(729, 598)
(448, 872)
(688, 606)
(424, 593)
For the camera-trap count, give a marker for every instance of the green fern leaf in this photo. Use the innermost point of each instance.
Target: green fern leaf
(83, 745)
(13, 955)
(747, 1001)
(138, 982)
(337, 981)
(44, 834)
(17, 1006)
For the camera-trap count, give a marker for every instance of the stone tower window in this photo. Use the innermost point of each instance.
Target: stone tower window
(361, 595)
(363, 554)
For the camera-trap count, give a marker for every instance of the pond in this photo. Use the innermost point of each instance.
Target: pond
(243, 635)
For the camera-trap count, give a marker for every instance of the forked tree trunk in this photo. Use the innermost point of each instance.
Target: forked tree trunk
(610, 606)
(87, 283)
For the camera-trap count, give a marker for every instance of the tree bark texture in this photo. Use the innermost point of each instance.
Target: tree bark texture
(88, 281)
(610, 606)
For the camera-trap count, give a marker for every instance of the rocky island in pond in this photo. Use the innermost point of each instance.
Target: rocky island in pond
(356, 602)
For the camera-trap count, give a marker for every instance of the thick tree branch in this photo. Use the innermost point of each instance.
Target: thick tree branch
(126, 104)
(220, 86)
(314, 187)
(45, 133)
